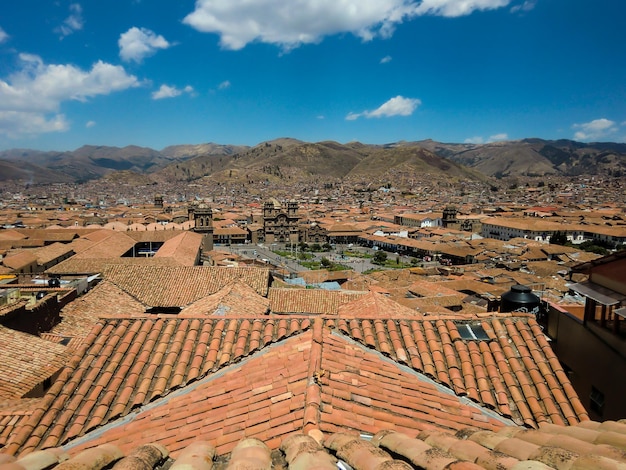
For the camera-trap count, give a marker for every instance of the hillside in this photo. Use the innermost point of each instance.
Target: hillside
(410, 161)
(293, 160)
(296, 161)
(535, 157)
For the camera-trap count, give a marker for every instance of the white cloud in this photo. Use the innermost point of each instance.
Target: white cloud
(224, 85)
(398, 106)
(72, 23)
(291, 23)
(32, 96)
(526, 6)
(90, 124)
(498, 137)
(138, 43)
(474, 140)
(385, 59)
(595, 130)
(453, 8)
(166, 91)
(3, 35)
(14, 124)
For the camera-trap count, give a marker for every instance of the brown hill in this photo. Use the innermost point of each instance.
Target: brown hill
(293, 160)
(28, 173)
(296, 161)
(535, 157)
(405, 161)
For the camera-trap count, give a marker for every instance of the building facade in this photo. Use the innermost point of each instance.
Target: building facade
(280, 222)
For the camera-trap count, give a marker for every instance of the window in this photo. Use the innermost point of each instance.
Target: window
(472, 331)
(596, 401)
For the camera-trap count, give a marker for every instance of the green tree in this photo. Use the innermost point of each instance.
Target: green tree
(325, 262)
(380, 257)
(558, 238)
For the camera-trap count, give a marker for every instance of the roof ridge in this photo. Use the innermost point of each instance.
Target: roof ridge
(313, 392)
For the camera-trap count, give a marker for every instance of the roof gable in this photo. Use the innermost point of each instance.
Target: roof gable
(375, 305)
(318, 378)
(235, 298)
(179, 286)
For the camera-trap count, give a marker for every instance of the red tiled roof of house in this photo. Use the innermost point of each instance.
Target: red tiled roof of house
(128, 363)
(515, 371)
(20, 260)
(236, 298)
(11, 235)
(76, 265)
(26, 362)
(375, 305)
(13, 415)
(106, 299)
(51, 252)
(310, 301)
(184, 248)
(179, 286)
(171, 379)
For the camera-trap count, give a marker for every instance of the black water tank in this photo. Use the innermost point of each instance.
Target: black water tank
(520, 299)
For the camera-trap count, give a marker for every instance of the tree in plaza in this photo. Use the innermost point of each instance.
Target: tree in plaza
(380, 257)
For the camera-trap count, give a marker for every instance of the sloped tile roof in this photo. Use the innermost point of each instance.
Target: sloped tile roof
(182, 285)
(313, 301)
(14, 414)
(263, 397)
(514, 371)
(75, 265)
(375, 305)
(20, 259)
(115, 244)
(106, 299)
(184, 248)
(133, 375)
(127, 363)
(366, 392)
(235, 298)
(27, 361)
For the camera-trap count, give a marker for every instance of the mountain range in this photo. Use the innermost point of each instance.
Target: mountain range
(296, 160)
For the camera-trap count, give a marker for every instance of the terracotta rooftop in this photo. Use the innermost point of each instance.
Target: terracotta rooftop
(375, 305)
(114, 244)
(179, 286)
(20, 259)
(106, 299)
(170, 380)
(184, 248)
(311, 301)
(236, 298)
(77, 265)
(26, 362)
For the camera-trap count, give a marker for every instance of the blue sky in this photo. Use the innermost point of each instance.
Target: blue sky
(162, 72)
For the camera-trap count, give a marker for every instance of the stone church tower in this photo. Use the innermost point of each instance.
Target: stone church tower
(203, 223)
